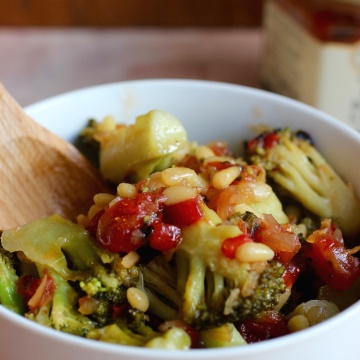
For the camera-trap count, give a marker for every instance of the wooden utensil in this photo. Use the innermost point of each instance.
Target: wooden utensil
(40, 173)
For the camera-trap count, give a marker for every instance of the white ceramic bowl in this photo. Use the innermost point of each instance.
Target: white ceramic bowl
(209, 111)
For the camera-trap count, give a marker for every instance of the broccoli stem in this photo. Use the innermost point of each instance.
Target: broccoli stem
(9, 297)
(297, 166)
(52, 241)
(41, 316)
(195, 289)
(182, 266)
(115, 335)
(215, 288)
(298, 183)
(160, 308)
(160, 285)
(64, 314)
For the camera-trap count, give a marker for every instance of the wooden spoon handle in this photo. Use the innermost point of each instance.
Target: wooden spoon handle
(40, 173)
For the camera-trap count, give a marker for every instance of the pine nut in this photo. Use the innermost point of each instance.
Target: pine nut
(155, 181)
(126, 190)
(130, 259)
(223, 178)
(203, 183)
(252, 252)
(88, 305)
(321, 311)
(202, 152)
(297, 323)
(103, 199)
(137, 299)
(176, 194)
(179, 176)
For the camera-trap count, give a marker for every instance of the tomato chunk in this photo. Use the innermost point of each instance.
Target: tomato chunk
(229, 246)
(330, 259)
(131, 223)
(183, 213)
(36, 291)
(291, 273)
(27, 285)
(163, 236)
(266, 140)
(284, 243)
(271, 325)
(122, 227)
(333, 265)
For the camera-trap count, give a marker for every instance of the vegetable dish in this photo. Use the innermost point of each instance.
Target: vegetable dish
(196, 247)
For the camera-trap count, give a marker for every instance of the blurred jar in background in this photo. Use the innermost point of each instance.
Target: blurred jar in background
(312, 54)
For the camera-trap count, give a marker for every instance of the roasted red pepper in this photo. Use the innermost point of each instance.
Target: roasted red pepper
(183, 213)
(332, 262)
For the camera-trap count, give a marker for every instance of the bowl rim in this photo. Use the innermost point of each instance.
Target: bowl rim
(260, 93)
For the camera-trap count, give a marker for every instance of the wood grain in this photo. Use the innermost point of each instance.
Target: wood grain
(110, 13)
(40, 174)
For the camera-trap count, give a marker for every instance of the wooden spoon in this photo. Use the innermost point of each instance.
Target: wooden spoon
(40, 173)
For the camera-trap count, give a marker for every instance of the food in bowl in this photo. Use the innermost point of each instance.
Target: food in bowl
(197, 247)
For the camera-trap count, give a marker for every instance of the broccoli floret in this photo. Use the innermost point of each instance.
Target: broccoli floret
(160, 276)
(64, 315)
(221, 290)
(228, 304)
(172, 339)
(80, 269)
(116, 335)
(134, 330)
(9, 296)
(58, 244)
(127, 330)
(139, 149)
(210, 289)
(109, 290)
(86, 142)
(56, 306)
(293, 162)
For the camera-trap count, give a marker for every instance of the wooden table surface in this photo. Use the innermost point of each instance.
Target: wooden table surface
(36, 63)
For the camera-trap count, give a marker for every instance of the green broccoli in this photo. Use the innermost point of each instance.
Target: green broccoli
(59, 245)
(210, 289)
(134, 329)
(61, 312)
(172, 339)
(292, 161)
(78, 267)
(139, 149)
(9, 296)
(160, 275)
(110, 294)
